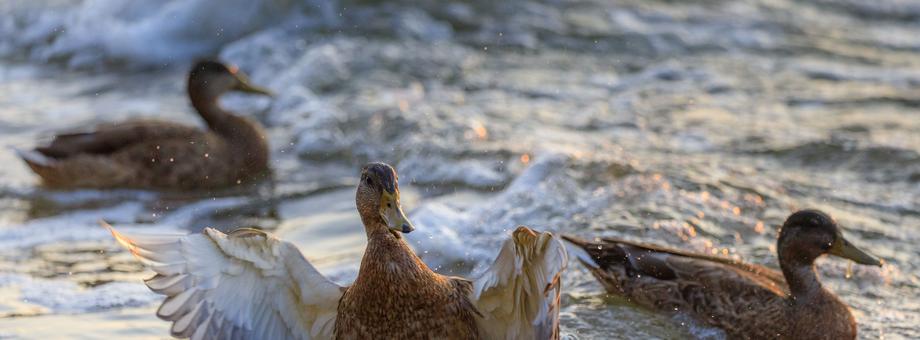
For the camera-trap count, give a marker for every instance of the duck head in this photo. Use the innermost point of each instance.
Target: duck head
(209, 79)
(378, 199)
(809, 234)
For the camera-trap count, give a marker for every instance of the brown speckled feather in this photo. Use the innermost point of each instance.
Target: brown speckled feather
(108, 138)
(396, 296)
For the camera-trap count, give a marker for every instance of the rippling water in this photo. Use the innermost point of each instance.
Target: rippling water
(696, 124)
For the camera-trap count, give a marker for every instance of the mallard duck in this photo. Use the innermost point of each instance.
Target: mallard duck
(747, 301)
(250, 285)
(160, 154)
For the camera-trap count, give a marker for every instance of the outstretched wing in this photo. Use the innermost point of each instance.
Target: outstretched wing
(518, 296)
(245, 285)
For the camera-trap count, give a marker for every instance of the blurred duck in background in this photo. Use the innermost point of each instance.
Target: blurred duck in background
(155, 154)
(250, 285)
(747, 301)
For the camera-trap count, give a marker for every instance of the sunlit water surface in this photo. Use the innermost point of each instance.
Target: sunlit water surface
(695, 124)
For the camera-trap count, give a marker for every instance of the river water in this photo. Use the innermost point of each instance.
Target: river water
(696, 124)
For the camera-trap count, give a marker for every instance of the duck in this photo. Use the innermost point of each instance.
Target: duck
(248, 284)
(747, 301)
(164, 155)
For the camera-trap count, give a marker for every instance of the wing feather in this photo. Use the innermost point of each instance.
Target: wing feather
(168, 285)
(246, 285)
(109, 138)
(518, 296)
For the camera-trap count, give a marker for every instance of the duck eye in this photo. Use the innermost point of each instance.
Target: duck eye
(827, 246)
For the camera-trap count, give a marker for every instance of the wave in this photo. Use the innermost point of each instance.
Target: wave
(92, 32)
(66, 296)
(877, 163)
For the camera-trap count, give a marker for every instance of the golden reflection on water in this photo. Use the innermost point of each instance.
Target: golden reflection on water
(480, 130)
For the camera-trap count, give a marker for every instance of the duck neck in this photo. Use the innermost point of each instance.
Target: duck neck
(389, 259)
(802, 279)
(209, 109)
(227, 124)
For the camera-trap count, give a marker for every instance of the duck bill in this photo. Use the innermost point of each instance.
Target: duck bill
(393, 215)
(847, 250)
(243, 85)
(249, 88)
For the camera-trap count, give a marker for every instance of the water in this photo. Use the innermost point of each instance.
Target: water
(696, 124)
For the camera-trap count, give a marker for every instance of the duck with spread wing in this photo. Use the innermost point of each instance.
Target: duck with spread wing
(250, 285)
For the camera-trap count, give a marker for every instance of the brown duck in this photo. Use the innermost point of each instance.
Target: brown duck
(747, 301)
(157, 154)
(250, 285)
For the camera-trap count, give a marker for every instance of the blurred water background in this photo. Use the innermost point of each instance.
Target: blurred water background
(697, 124)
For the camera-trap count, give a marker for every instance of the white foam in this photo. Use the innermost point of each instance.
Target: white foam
(148, 33)
(83, 225)
(186, 214)
(65, 296)
(75, 226)
(485, 224)
(472, 172)
(437, 236)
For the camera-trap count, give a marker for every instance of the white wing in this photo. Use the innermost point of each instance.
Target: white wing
(518, 296)
(246, 285)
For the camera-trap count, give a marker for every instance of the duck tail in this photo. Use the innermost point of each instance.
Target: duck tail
(587, 252)
(37, 161)
(42, 165)
(605, 261)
